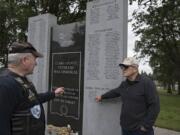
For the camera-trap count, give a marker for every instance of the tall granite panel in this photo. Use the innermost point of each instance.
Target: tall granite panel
(39, 33)
(67, 69)
(105, 47)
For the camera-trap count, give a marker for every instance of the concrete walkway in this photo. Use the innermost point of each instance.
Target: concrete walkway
(161, 131)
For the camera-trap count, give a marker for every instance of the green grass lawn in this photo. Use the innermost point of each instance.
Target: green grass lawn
(169, 116)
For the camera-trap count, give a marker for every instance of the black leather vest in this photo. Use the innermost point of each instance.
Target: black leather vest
(28, 117)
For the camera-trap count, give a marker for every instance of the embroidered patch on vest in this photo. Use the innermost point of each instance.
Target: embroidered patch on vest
(36, 111)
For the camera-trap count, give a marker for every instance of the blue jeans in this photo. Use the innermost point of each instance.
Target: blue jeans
(138, 132)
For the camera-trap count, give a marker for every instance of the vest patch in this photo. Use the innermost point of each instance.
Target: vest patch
(36, 111)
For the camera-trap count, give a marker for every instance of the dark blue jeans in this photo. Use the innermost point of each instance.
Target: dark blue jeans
(138, 132)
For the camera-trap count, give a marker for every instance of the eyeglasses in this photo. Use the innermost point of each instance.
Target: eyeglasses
(124, 67)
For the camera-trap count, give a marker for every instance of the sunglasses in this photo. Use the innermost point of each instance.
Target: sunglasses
(124, 67)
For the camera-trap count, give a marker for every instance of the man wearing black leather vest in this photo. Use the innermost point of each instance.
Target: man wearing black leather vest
(21, 110)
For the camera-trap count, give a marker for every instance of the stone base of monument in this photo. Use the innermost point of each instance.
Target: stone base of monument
(54, 130)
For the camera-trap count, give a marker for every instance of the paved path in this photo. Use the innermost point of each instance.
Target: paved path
(161, 131)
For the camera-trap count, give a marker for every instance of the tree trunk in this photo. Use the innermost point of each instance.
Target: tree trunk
(173, 86)
(169, 90)
(178, 87)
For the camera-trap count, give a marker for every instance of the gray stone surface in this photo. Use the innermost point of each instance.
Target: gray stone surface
(106, 46)
(39, 31)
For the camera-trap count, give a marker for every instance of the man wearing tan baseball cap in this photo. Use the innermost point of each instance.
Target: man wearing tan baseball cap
(140, 100)
(129, 68)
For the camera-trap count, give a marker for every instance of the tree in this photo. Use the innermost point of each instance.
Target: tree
(159, 30)
(5, 29)
(14, 16)
(66, 11)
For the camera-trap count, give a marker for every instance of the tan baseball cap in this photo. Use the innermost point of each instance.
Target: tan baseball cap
(129, 61)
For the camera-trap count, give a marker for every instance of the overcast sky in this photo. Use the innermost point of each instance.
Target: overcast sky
(131, 41)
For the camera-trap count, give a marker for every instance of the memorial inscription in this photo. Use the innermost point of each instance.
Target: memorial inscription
(66, 71)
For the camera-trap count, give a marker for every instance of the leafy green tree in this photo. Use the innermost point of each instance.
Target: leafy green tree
(14, 16)
(5, 29)
(159, 29)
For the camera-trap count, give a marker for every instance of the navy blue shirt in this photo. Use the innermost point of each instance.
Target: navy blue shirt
(140, 102)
